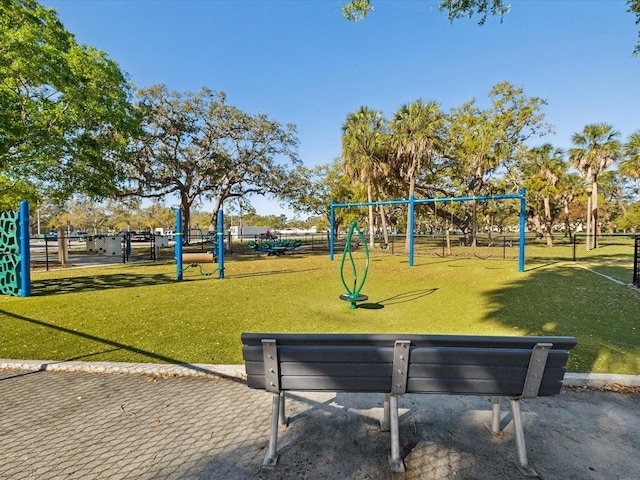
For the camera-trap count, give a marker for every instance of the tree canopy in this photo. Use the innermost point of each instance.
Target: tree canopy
(472, 151)
(196, 146)
(65, 115)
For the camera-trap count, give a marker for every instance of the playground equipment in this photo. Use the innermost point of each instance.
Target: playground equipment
(412, 203)
(15, 258)
(274, 247)
(353, 294)
(198, 259)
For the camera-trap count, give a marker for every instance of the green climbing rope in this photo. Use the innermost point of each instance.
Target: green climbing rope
(353, 294)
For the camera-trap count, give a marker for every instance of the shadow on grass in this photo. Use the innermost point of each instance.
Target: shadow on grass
(544, 265)
(562, 300)
(115, 346)
(425, 262)
(270, 272)
(405, 297)
(89, 283)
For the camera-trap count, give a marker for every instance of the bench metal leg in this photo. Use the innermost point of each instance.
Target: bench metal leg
(395, 462)
(284, 421)
(384, 423)
(494, 426)
(271, 457)
(523, 462)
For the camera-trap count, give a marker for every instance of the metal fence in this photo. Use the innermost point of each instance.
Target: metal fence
(613, 248)
(636, 262)
(50, 252)
(496, 246)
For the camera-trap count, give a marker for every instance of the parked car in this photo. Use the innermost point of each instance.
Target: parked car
(80, 235)
(267, 236)
(141, 236)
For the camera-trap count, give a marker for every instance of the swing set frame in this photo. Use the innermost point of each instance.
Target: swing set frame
(412, 202)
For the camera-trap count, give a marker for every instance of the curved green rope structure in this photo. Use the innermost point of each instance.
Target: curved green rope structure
(353, 294)
(202, 272)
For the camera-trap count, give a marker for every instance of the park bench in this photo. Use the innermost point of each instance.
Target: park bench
(514, 367)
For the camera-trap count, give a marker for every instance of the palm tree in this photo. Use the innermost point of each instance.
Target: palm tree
(630, 165)
(596, 148)
(416, 133)
(363, 151)
(543, 169)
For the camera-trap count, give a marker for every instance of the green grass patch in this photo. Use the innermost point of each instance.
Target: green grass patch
(140, 313)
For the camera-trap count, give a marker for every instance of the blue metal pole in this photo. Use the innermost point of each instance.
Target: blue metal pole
(220, 244)
(411, 225)
(332, 223)
(25, 252)
(523, 221)
(178, 246)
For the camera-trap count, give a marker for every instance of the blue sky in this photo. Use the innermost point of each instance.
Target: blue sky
(300, 62)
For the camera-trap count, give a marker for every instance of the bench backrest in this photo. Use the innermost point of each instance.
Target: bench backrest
(451, 364)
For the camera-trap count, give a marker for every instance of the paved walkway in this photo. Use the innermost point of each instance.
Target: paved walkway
(56, 425)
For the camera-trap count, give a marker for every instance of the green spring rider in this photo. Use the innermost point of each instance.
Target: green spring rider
(353, 294)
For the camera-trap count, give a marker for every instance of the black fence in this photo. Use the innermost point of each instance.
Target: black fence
(636, 262)
(50, 252)
(616, 248)
(619, 250)
(495, 246)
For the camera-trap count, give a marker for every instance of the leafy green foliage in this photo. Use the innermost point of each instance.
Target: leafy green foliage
(631, 221)
(468, 8)
(13, 192)
(65, 116)
(634, 7)
(197, 146)
(630, 164)
(323, 185)
(364, 152)
(542, 169)
(356, 10)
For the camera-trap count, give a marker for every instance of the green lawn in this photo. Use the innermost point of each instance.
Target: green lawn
(142, 314)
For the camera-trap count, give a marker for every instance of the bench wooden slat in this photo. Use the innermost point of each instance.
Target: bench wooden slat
(467, 371)
(460, 386)
(383, 339)
(376, 354)
(336, 384)
(337, 369)
(313, 353)
(482, 356)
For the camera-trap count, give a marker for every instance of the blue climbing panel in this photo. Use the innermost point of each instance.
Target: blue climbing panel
(10, 258)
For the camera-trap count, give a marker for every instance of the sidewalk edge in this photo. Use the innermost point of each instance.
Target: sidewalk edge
(238, 371)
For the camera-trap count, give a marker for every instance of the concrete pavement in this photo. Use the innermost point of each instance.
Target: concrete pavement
(157, 422)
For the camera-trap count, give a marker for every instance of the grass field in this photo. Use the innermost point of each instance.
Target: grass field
(140, 313)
